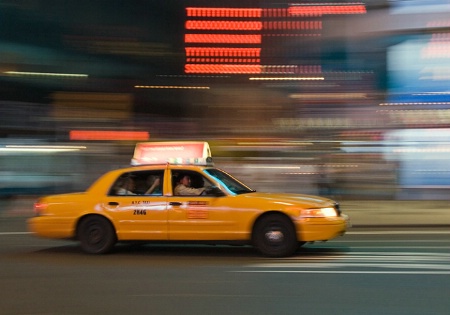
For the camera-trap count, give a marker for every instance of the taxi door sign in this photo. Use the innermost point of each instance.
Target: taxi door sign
(197, 210)
(181, 152)
(197, 214)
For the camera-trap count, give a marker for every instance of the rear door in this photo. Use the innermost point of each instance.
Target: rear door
(139, 214)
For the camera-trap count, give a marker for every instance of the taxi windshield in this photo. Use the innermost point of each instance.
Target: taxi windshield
(227, 181)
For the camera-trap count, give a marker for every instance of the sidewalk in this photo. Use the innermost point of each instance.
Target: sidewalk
(362, 213)
(368, 213)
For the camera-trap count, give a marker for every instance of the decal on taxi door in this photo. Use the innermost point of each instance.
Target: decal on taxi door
(196, 210)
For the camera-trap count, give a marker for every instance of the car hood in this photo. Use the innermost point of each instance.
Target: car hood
(291, 199)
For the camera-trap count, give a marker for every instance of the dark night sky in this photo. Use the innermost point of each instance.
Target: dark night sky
(55, 24)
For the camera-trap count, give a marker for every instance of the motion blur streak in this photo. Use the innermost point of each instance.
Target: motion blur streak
(344, 99)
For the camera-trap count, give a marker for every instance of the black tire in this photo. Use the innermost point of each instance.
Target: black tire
(274, 236)
(96, 235)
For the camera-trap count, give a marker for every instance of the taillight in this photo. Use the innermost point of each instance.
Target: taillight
(39, 206)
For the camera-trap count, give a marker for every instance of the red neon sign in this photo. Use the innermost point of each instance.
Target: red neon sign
(292, 25)
(239, 51)
(89, 135)
(224, 12)
(223, 60)
(222, 38)
(222, 52)
(224, 25)
(318, 10)
(222, 68)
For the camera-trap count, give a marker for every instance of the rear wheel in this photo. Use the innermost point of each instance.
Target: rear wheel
(274, 236)
(96, 235)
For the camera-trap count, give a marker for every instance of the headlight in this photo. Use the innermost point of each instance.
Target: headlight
(319, 213)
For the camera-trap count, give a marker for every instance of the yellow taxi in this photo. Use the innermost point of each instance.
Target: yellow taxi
(173, 193)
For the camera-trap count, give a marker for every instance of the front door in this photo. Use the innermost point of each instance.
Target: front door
(199, 217)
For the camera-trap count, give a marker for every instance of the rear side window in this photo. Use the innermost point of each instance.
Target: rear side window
(138, 183)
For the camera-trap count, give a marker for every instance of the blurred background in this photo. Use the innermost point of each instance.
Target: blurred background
(346, 99)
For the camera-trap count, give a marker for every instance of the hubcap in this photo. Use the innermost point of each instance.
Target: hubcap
(95, 236)
(274, 236)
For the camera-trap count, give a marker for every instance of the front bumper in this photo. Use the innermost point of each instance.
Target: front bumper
(321, 229)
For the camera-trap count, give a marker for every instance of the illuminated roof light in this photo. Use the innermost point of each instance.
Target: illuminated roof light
(172, 152)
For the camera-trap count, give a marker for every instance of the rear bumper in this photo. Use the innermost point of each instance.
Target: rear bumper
(49, 227)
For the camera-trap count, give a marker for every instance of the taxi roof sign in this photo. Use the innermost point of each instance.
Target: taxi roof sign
(172, 152)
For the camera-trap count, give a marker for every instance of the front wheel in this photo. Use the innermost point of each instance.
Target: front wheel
(274, 236)
(96, 235)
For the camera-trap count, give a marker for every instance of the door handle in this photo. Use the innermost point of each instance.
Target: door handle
(175, 203)
(113, 203)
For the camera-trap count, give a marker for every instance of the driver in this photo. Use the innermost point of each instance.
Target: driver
(183, 187)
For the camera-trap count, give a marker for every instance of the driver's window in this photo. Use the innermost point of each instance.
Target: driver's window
(189, 183)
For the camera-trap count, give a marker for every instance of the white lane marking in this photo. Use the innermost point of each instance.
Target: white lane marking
(385, 253)
(373, 259)
(358, 263)
(399, 253)
(399, 247)
(320, 265)
(333, 255)
(387, 241)
(396, 232)
(370, 256)
(347, 272)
